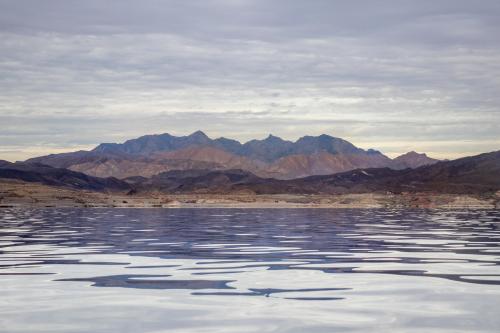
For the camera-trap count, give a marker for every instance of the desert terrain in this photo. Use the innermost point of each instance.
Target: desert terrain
(15, 193)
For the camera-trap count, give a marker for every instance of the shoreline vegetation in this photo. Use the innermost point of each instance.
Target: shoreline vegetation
(14, 193)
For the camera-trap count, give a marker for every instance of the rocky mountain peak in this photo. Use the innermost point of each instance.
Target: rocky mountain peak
(414, 154)
(273, 138)
(199, 135)
(412, 159)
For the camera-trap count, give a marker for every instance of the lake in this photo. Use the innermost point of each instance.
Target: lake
(249, 270)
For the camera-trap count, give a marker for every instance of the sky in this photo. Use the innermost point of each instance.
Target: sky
(393, 75)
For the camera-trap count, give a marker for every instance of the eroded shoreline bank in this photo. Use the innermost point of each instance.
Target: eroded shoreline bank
(20, 194)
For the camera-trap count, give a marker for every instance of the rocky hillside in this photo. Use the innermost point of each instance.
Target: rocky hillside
(478, 175)
(47, 175)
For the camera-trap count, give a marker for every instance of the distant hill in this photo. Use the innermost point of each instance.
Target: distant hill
(479, 175)
(271, 157)
(47, 175)
(412, 160)
(471, 175)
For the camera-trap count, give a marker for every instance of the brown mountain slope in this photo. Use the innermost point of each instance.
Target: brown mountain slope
(479, 175)
(212, 155)
(205, 157)
(144, 167)
(191, 158)
(296, 166)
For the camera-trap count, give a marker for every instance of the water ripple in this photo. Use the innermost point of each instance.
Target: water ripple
(357, 258)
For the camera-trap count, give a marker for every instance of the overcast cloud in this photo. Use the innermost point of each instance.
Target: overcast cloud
(391, 75)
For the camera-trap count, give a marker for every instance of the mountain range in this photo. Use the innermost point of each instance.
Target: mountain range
(196, 164)
(478, 175)
(271, 157)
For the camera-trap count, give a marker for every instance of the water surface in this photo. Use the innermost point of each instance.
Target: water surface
(249, 270)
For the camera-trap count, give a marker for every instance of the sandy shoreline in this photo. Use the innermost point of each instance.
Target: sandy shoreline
(21, 194)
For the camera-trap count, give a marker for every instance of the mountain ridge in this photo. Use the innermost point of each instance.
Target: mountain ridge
(267, 149)
(269, 157)
(478, 175)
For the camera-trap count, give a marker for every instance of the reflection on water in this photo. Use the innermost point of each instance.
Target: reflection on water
(193, 270)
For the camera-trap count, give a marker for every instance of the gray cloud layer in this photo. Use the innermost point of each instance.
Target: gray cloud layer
(392, 75)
